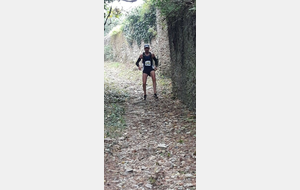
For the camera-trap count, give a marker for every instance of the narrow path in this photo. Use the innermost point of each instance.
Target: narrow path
(157, 148)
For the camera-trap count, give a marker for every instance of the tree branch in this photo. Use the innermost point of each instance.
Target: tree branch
(107, 17)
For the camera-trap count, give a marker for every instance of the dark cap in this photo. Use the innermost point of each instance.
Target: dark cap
(146, 46)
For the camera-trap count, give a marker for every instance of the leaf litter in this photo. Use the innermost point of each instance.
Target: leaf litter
(148, 144)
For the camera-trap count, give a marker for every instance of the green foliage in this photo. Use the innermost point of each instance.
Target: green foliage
(166, 6)
(193, 9)
(140, 24)
(108, 54)
(170, 8)
(110, 13)
(169, 155)
(111, 23)
(152, 32)
(183, 66)
(152, 180)
(114, 110)
(116, 30)
(107, 7)
(144, 9)
(115, 64)
(114, 122)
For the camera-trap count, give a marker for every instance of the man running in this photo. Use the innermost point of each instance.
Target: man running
(148, 68)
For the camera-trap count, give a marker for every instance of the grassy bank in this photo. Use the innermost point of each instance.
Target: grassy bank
(114, 109)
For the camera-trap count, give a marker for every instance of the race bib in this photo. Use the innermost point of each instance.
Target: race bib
(147, 63)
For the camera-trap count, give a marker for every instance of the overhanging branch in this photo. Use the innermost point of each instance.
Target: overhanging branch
(107, 17)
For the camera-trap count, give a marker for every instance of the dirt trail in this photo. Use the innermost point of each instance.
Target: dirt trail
(157, 148)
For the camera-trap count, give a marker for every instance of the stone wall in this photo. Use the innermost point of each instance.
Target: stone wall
(182, 41)
(163, 49)
(123, 52)
(176, 34)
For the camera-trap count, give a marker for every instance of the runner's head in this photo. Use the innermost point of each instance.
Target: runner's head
(146, 48)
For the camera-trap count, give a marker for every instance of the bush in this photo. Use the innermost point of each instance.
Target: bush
(170, 8)
(108, 54)
(113, 22)
(140, 24)
(116, 30)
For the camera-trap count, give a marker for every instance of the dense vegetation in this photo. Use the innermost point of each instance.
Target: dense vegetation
(137, 25)
(140, 24)
(183, 62)
(111, 15)
(170, 8)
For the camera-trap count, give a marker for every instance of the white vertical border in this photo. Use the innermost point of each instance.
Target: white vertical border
(51, 99)
(248, 95)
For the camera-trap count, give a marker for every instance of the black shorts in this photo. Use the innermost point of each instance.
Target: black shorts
(148, 70)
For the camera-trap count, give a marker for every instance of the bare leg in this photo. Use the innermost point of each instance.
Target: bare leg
(152, 73)
(144, 82)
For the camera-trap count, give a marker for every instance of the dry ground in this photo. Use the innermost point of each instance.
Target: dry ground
(148, 144)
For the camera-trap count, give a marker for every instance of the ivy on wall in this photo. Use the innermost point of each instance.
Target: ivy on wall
(140, 24)
(170, 8)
